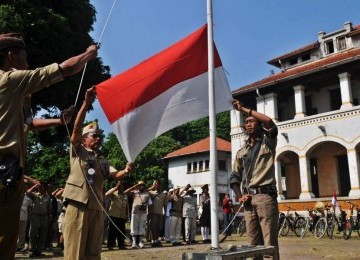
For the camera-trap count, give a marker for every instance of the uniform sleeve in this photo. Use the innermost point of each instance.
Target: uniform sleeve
(271, 138)
(236, 174)
(25, 82)
(30, 195)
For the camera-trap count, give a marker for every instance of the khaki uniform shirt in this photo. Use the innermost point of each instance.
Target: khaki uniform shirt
(176, 206)
(140, 202)
(263, 172)
(41, 203)
(15, 86)
(76, 187)
(158, 202)
(119, 205)
(189, 207)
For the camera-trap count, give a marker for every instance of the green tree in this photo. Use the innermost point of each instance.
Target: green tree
(54, 31)
(199, 129)
(48, 163)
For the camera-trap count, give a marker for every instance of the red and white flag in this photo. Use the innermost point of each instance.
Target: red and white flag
(162, 92)
(334, 201)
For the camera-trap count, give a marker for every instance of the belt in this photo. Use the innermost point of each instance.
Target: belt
(260, 190)
(38, 214)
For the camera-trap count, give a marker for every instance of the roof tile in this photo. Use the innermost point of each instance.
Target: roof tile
(201, 146)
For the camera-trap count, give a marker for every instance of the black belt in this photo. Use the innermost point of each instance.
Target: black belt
(268, 189)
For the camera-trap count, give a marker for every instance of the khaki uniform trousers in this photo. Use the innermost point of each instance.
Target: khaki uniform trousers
(262, 215)
(175, 228)
(138, 224)
(83, 230)
(190, 228)
(167, 228)
(22, 234)
(10, 203)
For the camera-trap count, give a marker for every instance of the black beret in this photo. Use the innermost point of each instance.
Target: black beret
(11, 40)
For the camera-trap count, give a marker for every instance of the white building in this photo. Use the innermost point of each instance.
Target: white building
(315, 102)
(190, 165)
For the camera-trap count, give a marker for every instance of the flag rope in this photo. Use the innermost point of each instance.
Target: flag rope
(98, 44)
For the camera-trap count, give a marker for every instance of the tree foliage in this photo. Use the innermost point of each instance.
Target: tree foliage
(54, 31)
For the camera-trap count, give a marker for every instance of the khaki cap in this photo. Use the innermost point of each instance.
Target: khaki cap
(91, 128)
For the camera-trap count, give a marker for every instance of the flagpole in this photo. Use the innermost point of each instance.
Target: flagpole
(212, 130)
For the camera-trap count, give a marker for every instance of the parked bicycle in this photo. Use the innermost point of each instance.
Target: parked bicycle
(310, 222)
(326, 224)
(333, 221)
(352, 223)
(287, 222)
(239, 224)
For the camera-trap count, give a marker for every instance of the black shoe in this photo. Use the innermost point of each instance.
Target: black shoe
(122, 246)
(35, 254)
(194, 242)
(188, 242)
(158, 243)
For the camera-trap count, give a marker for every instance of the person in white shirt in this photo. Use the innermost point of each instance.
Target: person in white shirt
(141, 200)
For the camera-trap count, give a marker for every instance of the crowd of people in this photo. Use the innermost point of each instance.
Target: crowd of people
(153, 213)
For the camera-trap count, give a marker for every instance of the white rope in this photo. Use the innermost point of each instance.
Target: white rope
(223, 232)
(98, 44)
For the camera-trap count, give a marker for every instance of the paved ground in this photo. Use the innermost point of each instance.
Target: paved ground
(291, 247)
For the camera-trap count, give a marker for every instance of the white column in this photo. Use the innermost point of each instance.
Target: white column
(305, 178)
(260, 104)
(345, 88)
(271, 108)
(236, 132)
(278, 180)
(299, 101)
(354, 173)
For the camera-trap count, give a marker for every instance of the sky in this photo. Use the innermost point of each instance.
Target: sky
(247, 33)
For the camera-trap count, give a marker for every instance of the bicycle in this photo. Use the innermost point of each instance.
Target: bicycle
(321, 226)
(310, 222)
(351, 222)
(287, 222)
(326, 224)
(239, 224)
(333, 221)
